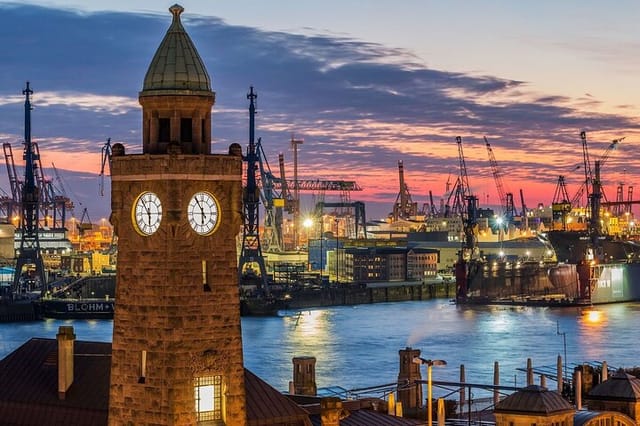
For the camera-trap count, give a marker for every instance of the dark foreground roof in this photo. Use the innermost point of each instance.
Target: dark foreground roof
(267, 406)
(29, 392)
(369, 418)
(620, 387)
(361, 412)
(29, 389)
(534, 399)
(604, 417)
(29, 385)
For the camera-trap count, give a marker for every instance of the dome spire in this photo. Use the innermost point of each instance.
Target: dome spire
(176, 66)
(176, 96)
(176, 10)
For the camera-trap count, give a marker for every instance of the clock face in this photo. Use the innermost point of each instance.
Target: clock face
(147, 213)
(203, 213)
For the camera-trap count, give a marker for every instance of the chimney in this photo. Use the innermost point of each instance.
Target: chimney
(409, 392)
(304, 375)
(66, 339)
(330, 411)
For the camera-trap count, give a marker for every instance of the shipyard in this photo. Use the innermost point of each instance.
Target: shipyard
(478, 264)
(562, 255)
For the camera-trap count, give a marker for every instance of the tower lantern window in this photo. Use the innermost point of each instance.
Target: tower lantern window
(186, 131)
(164, 130)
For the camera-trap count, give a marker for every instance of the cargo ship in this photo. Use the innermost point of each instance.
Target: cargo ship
(90, 297)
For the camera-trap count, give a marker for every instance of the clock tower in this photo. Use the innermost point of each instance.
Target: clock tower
(176, 209)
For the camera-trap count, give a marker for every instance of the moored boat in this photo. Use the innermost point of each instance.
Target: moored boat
(76, 308)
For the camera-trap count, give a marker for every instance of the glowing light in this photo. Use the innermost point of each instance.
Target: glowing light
(593, 316)
(307, 223)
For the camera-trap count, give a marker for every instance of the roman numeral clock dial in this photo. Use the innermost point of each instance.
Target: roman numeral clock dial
(203, 213)
(147, 213)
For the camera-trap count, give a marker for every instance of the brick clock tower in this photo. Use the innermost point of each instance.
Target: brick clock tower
(176, 209)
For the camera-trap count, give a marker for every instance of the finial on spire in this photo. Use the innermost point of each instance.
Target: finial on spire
(176, 10)
(27, 91)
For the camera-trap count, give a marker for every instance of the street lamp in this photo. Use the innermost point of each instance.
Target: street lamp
(429, 363)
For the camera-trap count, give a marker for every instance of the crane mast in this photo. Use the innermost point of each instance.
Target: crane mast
(251, 263)
(106, 162)
(273, 204)
(404, 207)
(464, 178)
(461, 191)
(586, 183)
(29, 253)
(497, 176)
(560, 205)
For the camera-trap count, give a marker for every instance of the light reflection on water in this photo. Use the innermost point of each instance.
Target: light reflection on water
(357, 346)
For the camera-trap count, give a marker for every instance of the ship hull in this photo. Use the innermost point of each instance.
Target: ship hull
(77, 308)
(616, 283)
(553, 285)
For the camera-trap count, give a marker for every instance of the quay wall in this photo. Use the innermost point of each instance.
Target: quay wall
(357, 295)
(17, 312)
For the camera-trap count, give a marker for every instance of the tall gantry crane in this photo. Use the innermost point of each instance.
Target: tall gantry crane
(273, 204)
(106, 162)
(61, 194)
(461, 190)
(13, 204)
(251, 262)
(465, 189)
(29, 253)
(296, 190)
(586, 184)
(506, 198)
(277, 197)
(561, 204)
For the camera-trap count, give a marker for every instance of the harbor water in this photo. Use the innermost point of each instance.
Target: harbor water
(357, 346)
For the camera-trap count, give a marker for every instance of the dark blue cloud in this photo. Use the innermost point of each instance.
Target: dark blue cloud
(325, 89)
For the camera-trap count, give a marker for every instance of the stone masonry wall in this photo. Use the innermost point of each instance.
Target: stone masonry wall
(161, 306)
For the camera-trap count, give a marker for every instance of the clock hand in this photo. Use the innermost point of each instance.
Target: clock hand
(201, 210)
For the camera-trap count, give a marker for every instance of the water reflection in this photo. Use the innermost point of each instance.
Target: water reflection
(358, 346)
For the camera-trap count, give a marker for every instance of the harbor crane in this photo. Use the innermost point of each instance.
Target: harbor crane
(586, 184)
(560, 206)
(506, 198)
(461, 190)
(273, 204)
(465, 189)
(29, 253)
(296, 190)
(251, 263)
(13, 204)
(64, 197)
(404, 207)
(106, 161)
(277, 198)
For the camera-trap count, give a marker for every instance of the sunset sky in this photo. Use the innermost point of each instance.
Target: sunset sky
(365, 84)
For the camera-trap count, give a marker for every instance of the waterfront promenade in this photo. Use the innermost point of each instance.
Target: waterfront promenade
(357, 346)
